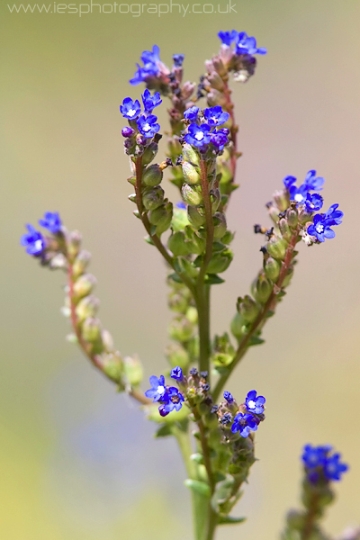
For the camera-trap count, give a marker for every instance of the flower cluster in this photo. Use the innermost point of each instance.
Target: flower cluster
(243, 43)
(203, 131)
(319, 228)
(34, 241)
(321, 465)
(169, 397)
(250, 415)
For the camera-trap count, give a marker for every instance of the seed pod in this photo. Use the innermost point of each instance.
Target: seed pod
(219, 222)
(81, 263)
(190, 155)
(152, 175)
(272, 269)
(91, 330)
(261, 289)
(248, 309)
(195, 218)
(149, 153)
(84, 285)
(177, 244)
(191, 195)
(190, 173)
(153, 197)
(276, 247)
(87, 307)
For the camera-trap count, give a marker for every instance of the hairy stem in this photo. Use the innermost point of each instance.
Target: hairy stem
(311, 518)
(261, 318)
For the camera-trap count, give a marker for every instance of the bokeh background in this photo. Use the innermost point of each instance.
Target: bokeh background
(77, 460)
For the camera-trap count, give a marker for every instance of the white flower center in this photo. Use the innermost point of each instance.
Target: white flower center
(161, 389)
(131, 112)
(146, 127)
(251, 404)
(199, 136)
(38, 244)
(298, 197)
(319, 228)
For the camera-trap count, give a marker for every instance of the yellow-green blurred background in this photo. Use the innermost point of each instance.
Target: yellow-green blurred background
(77, 460)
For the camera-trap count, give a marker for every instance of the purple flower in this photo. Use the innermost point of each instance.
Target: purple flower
(245, 424)
(228, 37)
(181, 205)
(198, 136)
(52, 222)
(254, 403)
(158, 388)
(247, 45)
(148, 125)
(333, 468)
(313, 202)
(334, 216)
(215, 116)
(192, 114)
(33, 241)
(320, 465)
(315, 456)
(177, 374)
(151, 68)
(149, 101)
(130, 109)
(171, 401)
(178, 60)
(228, 397)
(219, 139)
(127, 131)
(300, 194)
(320, 228)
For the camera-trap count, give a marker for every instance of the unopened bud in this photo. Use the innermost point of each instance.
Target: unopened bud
(219, 222)
(281, 199)
(133, 370)
(149, 153)
(216, 81)
(195, 218)
(248, 309)
(261, 289)
(113, 367)
(91, 330)
(190, 173)
(153, 197)
(238, 326)
(84, 285)
(272, 269)
(292, 217)
(177, 244)
(108, 341)
(74, 244)
(152, 175)
(87, 307)
(284, 229)
(276, 247)
(219, 262)
(81, 263)
(190, 155)
(161, 217)
(191, 195)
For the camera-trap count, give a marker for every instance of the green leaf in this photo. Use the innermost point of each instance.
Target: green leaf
(256, 340)
(163, 431)
(213, 279)
(175, 277)
(230, 520)
(149, 240)
(199, 487)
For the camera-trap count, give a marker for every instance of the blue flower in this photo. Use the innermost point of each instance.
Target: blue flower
(320, 228)
(151, 61)
(158, 388)
(127, 131)
(181, 205)
(130, 109)
(52, 222)
(334, 216)
(171, 401)
(198, 136)
(148, 125)
(33, 241)
(192, 114)
(219, 139)
(215, 116)
(313, 202)
(254, 403)
(177, 374)
(299, 194)
(228, 37)
(313, 182)
(178, 59)
(245, 424)
(320, 465)
(228, 397)
(333, 468)
(226, 419)
(149, 101)
(247, 45)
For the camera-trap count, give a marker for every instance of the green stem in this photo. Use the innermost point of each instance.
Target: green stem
(202, 300)
(198, 502)
(261, 318)
(311, 518)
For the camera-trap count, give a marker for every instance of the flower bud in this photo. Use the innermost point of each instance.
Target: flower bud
(216, 81)
(181, 330)
(261, 289)
(190, 173)
(152, 175)
(238, 326)
(84, 285)
(91, 330)
(281, 199)
(108, 341)
(153, 197)
(219, 66)
(248, 309)
(150, 153)
(292, 217)
(113, 367)
(276, 247)
(219, 222)
(190, 155)
(188, 90)
(177, 244)
(284, 229)
(161, 217)
(273, 213)
(177, 356)
(74, 244)
(272, 269)
(81, 263)
(195, 218)
(87, 307)
(133, 370)
(191, 195)
(219, 262)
